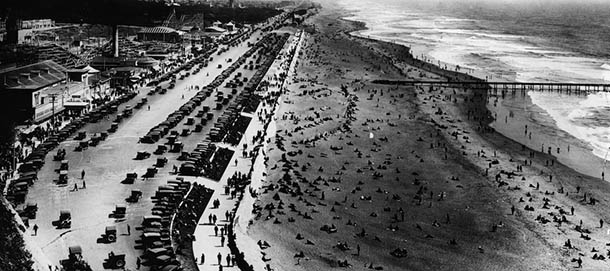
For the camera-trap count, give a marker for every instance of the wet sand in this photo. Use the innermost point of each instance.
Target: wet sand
(401, 178)
(516, 111)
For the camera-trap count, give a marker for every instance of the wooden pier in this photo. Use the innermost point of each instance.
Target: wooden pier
(505, 86)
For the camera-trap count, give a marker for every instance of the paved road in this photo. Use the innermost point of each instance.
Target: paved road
(105, 166)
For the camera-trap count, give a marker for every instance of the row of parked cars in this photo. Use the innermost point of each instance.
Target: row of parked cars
(159, 131)
(231, 125)
(199, 160)
(156, 228)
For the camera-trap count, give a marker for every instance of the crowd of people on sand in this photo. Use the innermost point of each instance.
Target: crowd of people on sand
(290, 183)
(518, 175)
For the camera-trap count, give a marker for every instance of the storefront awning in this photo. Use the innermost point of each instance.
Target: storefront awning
(76, 104)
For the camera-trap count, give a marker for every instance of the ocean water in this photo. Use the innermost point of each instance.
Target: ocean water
(512, 40)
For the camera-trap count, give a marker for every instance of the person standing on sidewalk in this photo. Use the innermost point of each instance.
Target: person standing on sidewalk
(219, 257)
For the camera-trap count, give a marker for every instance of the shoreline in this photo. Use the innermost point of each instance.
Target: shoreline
(574, 152)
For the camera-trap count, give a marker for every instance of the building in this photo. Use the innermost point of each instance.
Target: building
(99, 83)
(32, 31)
(215, 31)
(36, 92)
(229, 26)
(37, 24)
(127, 77)
(160, 33)
(189, 28)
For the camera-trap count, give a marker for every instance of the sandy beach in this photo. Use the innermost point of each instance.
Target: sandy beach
(386, 177)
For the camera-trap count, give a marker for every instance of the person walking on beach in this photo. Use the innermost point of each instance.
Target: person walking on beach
(75, 187)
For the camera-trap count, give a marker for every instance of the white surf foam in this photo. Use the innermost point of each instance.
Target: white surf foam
(581, 117)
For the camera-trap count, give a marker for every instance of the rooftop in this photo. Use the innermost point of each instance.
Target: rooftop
(34, 76)
(215, 29)
(158, 30)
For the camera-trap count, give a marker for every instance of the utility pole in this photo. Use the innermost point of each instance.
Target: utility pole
(53, 96)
